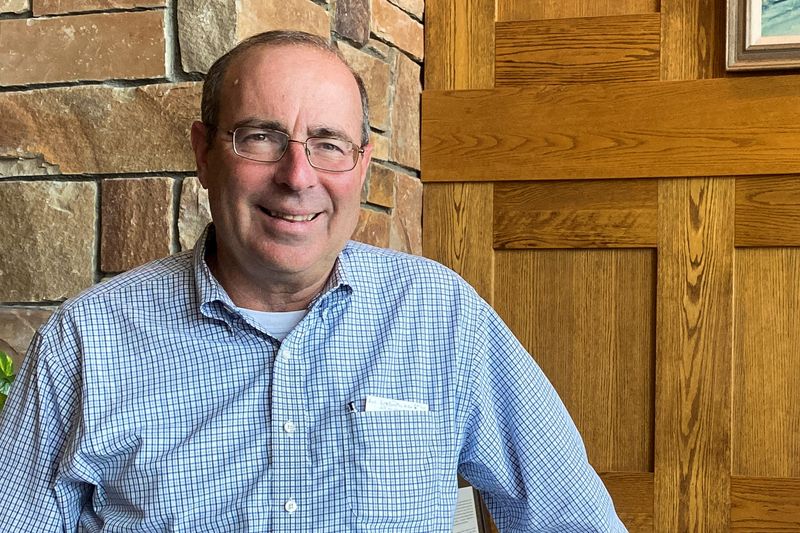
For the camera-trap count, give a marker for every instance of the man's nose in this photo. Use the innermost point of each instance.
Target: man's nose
(294, 169)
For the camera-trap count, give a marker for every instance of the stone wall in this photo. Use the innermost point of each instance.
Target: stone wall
(96, 100)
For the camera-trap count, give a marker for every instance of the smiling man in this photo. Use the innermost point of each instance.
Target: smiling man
(281, 225)
(280, 377)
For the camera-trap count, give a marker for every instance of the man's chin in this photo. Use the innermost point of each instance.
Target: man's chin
(285, 259)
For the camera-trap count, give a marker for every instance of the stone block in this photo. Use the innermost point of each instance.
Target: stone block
(381, 185)
(55, 7)
(102, 46)
(377, 79)
(100, 130)
(47, 240)
(406, 227)
(380, 150)
(209, 28)
(26, 166)
(405, 113)
(256, 16)
(136, 222)
(352, 20)
(415, 7)
(206, 30)
(194, 213)
(14, 6)
(372, 228)
(17, 326)
(392, 24)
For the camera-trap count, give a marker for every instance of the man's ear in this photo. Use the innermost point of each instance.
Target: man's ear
(366, 157)
(201, 146)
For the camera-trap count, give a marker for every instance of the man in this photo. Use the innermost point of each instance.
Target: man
(279, 377)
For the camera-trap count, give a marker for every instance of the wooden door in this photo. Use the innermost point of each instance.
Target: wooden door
(634, 216)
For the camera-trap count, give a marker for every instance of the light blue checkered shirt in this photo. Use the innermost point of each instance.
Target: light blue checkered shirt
(149, 403)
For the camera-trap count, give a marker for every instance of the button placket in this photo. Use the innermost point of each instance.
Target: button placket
(285, 355)
(288, 411)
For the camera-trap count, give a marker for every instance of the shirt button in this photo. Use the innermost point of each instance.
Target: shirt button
(290, 506)
(289, 427)
(286, 355)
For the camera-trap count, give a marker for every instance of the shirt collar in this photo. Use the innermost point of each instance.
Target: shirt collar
(209, 290)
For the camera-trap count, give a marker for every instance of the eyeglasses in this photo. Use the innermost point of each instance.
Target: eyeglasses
(268, 146)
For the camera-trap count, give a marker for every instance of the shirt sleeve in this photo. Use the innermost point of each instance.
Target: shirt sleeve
(34, 429)
(521, 449)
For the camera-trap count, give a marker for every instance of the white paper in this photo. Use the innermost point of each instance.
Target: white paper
(378, 403)
(466, 515)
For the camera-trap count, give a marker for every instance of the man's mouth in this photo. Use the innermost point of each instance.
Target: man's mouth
(290, 218)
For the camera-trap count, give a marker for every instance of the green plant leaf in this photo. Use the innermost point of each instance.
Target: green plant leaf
(6, 365)
(6, 377)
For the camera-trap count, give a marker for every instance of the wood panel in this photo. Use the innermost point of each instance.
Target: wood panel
(459, 44)
(693, 39)
(508, 10)
(694, 339)
(569, 214)
(684, 391)
(453, 234)
(718, 127)
(586, 317)
(766, 412)
(765, 504)
(632, 493)
(768, 211)
(757, 504)
(582, 50)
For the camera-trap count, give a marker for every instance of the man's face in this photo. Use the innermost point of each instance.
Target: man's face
(283, 218)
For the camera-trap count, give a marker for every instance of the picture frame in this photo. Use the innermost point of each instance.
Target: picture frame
(763, 34)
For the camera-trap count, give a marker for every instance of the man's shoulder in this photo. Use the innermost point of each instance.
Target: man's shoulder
(372, 266)
(361, 257)
(146, 284)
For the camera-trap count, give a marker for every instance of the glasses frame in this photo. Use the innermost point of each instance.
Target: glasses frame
(358, 150)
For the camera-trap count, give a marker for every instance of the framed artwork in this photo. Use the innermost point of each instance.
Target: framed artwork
(763, 34)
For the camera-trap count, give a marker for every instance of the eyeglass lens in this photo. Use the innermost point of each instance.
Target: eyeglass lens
(259, 144)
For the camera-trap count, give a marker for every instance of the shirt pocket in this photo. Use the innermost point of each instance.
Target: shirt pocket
(392, 479)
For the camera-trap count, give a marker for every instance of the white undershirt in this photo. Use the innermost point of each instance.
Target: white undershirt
(277, 324)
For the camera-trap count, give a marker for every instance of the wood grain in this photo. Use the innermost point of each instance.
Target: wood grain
(508, 10)
(452, 232)
(768, 211)
(459, 44)
(587, 317)
(632, 493)
(576, 214)
(766, 413)
(758, 505)
(695, 344)
(692, 39)
(718, 127)
(582, 50)
(765, 505)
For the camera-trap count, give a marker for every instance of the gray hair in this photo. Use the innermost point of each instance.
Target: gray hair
(212, 86)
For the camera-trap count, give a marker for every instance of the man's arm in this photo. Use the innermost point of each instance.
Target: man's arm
(34, 429)
(522, 450)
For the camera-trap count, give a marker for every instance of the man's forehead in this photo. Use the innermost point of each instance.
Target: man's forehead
(260, 59)
(268, 78)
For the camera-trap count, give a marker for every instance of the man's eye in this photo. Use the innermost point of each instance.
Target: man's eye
(258, 138)
(330, 147)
